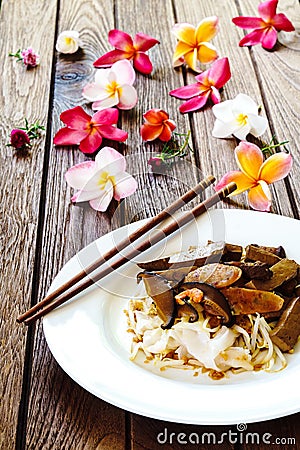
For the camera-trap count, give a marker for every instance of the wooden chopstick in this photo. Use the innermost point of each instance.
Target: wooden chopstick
(156, 236)
(151, 223)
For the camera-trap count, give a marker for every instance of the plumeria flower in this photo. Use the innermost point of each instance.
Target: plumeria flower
(238, 117)
(68, 42)
(28, 56)
(265, 27)
(256, 174)
(193, 43)
(100, 180)
(113, 87)
(128, 48)
(88, 131)
(157, 125)
(207, 86)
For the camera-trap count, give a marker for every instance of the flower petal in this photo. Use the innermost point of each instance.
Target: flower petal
(150, 132)
(223, 129)
(242, 181)
(253, 38)
(113, 133)
(186, 92)
(242, 131)
(215, 95)
(191, 59)
(91, 143)
(249, 158)
(142, 63)
(269, 38)
(75, 118)
(125, 185)
(223, 111)
(128, 97)
(68, 136)
(106, 102)
(276, 167)
(267, 9)
(185, 33)
(281, 22)
(166, 133)
(124, 71)
(248, 22)
(102, 202)
(181, 50)
(258, 124)
(108, 116)
(207, 29)
(110, 160)
(143, 42)
(207, 53)
(93, 92)
(83, 196)
(260, 197)
(120, 40)
(156, 116)
(77, 175)
(194, 104)
(244, 104)
(219, 73)
(109, 58)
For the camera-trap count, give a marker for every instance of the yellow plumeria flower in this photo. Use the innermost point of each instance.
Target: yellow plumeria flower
(255, 174)
(193, 43)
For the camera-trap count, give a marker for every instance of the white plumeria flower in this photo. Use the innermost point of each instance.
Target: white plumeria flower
(101, 180)
(238, 117)
(113, 87)
(68, 41)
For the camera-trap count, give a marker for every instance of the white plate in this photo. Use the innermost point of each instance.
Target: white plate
(88, 336)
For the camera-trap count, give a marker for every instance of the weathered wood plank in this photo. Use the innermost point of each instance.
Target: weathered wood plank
(61, 414)
(216, 155)
(155, 191)
(278, 74)
(25, 93)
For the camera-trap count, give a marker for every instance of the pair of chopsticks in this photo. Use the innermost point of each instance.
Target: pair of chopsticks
(70, 288)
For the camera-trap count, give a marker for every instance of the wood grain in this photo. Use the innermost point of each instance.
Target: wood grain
(278, 74)
(25, 93)
(61, 414)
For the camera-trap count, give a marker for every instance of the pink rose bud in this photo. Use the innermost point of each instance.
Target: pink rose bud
(19, 139)
(30, 58)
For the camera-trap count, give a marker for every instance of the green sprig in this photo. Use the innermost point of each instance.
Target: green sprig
(177, 147)
(269, 148)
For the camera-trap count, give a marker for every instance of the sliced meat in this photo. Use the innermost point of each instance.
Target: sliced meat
(231, 252)
(195, 256)
(217, 275)
(282, 271)
(287, 330)
(254, 270)
(278, 251)
(255, 253)
(251, 301)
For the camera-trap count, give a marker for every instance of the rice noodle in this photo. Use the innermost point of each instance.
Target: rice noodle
(197, 346)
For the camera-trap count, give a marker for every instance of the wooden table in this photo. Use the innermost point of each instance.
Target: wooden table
(41, 407)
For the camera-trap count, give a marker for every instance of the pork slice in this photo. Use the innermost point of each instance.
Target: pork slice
(287, 330)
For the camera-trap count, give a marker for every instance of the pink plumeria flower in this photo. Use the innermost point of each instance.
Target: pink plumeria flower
(265, 27)
(157, 125)
(128, 48)
(256, 174)
(207, 86)
(101, 180)
(238, 117)
(193, 43)
(113, 87)
(88, 131)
